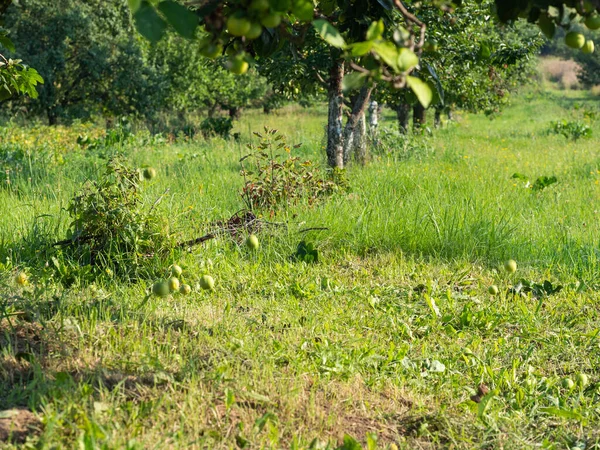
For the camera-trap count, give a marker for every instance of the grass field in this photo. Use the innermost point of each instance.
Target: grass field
(386, 340)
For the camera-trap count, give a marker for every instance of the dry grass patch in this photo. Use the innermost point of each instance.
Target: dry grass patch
(561, 72)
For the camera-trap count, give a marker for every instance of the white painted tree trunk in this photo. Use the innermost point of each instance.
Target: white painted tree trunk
(373, 117)
(359, 141)
(359, 105)
(335, 143)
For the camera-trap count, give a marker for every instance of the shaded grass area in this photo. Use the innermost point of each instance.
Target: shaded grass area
(389, 336)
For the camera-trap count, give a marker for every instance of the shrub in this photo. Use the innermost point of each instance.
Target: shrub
(216, 126)
(274, 178)
(110, 230)
(117, 136)
(571, 129)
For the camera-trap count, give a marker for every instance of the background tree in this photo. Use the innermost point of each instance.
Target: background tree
(364, 35)
(15, 77)
(194, 82)
(88, 57)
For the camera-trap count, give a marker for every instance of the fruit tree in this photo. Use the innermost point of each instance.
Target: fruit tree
(380, 41)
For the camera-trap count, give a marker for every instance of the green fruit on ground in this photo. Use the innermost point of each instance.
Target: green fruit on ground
(271, 20)
(149, 173)
(176, 271)
(238, 26)
(21, 279)
(493, 289)
(207, 282)
(510, 266)
(173, 284)
(252, 242)
(588, 47)
(567, 383)
(574, 40)
(593, 22)
(254, 32)
(185, 289)
(237, 65)
(161, 289)
(582, 379)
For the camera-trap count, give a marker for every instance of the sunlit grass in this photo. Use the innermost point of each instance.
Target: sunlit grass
(390, 334)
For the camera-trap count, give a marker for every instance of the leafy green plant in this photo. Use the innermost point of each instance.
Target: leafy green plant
(573, 130)
(306, 252)
(537, 290)
(274, 178)
(109, 228)
(543, 182)
(120, 134)
(539, 184)
(15, 77)
(216, 126)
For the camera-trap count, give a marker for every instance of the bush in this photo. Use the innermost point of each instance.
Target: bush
(110, 230)
(571, 129)
(216, 126)
(274, 178)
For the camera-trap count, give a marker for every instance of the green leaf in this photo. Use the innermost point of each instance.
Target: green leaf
(329, 33)
(371, 441)
(484, 51)
(134, 5)
(437, 366)
(361, 48)
(519, 176)
(407, 59)
(350, 444)
(149, 23)
(7, 43)
(431, 303)
(179, 17)
(375, 31)
(564, 413)
(353, 80)
(421, 90)
(484, 404)
(388, 52)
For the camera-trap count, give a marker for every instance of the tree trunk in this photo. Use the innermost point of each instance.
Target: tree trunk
(373, 116)
(359, 141)
(437, 121)
(212, 110)
(52, 116)
(419, 116)
(335, 144)
(359, 104)
(403, 114)
(235, 112)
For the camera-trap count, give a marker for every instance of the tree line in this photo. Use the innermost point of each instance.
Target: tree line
(215, 56)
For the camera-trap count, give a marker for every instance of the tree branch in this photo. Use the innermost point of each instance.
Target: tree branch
(411, 18)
